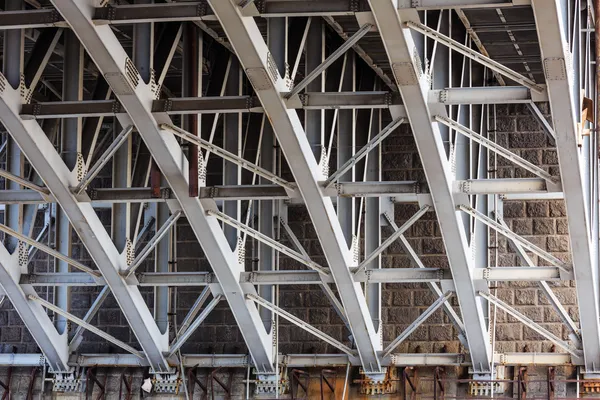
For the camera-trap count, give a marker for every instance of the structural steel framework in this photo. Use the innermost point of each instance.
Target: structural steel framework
(143, 108)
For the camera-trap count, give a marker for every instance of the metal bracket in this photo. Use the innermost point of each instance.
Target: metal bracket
(2, 83)
(53, 17)
(116, 107)
(23, 254)
(169, 383)
(132, 73)
(555, 69)
(69, 382)
(111, 13)
(388, 99)
(405, 74)
(443, 96)
(379, 385)
(202, 9)
(80, 167)
(36, 109)
(165, 193)
(272, 67)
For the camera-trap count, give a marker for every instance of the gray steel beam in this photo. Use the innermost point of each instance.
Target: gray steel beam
(232, 142)
(38, 59)
(564, 91)
(101, 196)
(12, 66)
(413, 85)
(277, 42)
(253, 53)
(199, 12)
(314, 119)
(211, 105)
(459, 4)
(110, 57)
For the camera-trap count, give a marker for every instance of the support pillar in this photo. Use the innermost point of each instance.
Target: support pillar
(314, 119)
(232, 142)
(277, 42)
(71, 153)
(12, 67)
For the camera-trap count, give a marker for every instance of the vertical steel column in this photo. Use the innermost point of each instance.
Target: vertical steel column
(12, 66)
(122, 160)
(460, 159)
(277, 42)
(121, 178)
(192, 81)
(71, 151)
(314, 119)
(346, 129)
(373, 225)
(191, 87)
(232, 142)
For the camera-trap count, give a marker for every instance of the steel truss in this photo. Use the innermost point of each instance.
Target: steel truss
(446, 107)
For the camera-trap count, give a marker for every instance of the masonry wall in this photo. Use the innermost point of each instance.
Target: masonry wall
(541, 222)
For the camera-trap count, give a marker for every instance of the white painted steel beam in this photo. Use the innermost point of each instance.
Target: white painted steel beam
(85, 325)
(414, 87)
(473, 54)
(486, 95)
(137, 97)
(254, 56)
(531, 324)
(295, 360)
(459, 4)
(59, 179)
(301, 277)
(551, 23)
(502, 186)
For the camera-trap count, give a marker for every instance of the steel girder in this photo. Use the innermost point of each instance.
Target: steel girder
(59, 179)
(136, 97)
(307, 101)
(199, 11)
(51, 343)
(383, 275)
(563, 91)
(256, 60)
(414, 88)
(299, 360)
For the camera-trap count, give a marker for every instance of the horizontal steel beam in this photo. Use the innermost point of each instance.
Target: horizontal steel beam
(242, 192)
(503, 186)
(450, 4)
(486, 95)
(294, 360)
(200, 11)
(384, 275)
(210, 105)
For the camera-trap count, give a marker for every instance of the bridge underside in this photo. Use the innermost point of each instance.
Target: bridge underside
(300, 187)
